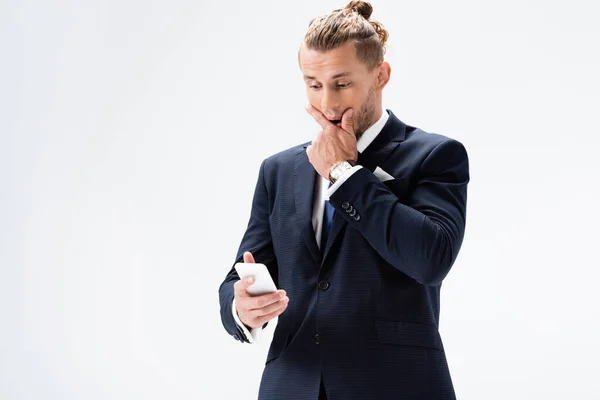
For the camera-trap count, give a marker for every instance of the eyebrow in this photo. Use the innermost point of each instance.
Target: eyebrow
(336, 76)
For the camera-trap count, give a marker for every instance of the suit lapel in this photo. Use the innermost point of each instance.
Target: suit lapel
(304, 185)
(379, 151)
(338, 224)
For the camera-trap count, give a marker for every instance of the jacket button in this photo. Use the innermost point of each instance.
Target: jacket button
(345, 205)
(349, 209)
(356, 217)
(323, 285)
(317, 338)
(353, 213)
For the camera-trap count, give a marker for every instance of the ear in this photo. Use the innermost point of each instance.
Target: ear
(383, 74)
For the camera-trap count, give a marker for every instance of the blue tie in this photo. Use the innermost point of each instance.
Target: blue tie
(327, 217)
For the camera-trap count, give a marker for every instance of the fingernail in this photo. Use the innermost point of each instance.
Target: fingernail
(250, 280)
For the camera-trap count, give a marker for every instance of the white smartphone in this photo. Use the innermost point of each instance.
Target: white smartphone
(263, 282)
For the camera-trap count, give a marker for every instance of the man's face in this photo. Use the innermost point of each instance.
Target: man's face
(337, 80)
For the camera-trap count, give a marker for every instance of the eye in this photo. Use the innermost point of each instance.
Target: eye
(314, 86)
(343, 85)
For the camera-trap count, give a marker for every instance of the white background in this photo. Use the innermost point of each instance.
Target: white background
(130, 138)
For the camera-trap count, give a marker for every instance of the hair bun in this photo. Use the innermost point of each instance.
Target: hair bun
(362, 7)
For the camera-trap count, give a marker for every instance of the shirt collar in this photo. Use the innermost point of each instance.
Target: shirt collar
(371, 133)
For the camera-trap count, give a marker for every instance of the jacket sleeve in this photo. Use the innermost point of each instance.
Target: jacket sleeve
(257, 240)
(422, 237)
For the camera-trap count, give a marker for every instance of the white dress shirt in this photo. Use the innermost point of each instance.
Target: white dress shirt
(322, 194)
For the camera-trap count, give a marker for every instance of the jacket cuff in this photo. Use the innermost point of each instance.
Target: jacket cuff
(249, 336)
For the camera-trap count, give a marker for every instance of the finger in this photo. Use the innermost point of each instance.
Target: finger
(260, 312)
(261, 320)
(249, 258)
(266, 299)
(319, 117)
(240, 288)
(348, 121)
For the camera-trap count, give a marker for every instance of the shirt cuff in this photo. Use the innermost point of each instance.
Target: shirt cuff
(347, 174)
(253, 334)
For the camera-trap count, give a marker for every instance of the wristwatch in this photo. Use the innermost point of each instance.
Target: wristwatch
(339, 168)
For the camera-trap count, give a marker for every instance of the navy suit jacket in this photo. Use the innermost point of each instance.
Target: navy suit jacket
(364, 314)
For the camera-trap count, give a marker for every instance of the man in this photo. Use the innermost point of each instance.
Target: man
(358, 228)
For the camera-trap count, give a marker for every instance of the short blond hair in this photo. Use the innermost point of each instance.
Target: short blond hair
(351, 23)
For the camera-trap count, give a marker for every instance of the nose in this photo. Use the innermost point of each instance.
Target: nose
(330, 104)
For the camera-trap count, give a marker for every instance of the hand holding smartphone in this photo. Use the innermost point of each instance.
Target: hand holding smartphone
(258, 302)
(263, 282)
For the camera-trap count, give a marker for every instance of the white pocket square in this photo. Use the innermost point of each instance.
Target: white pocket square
(382, 175)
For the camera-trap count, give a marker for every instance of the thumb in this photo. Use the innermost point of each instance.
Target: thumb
(248, 258)
(348, 121)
